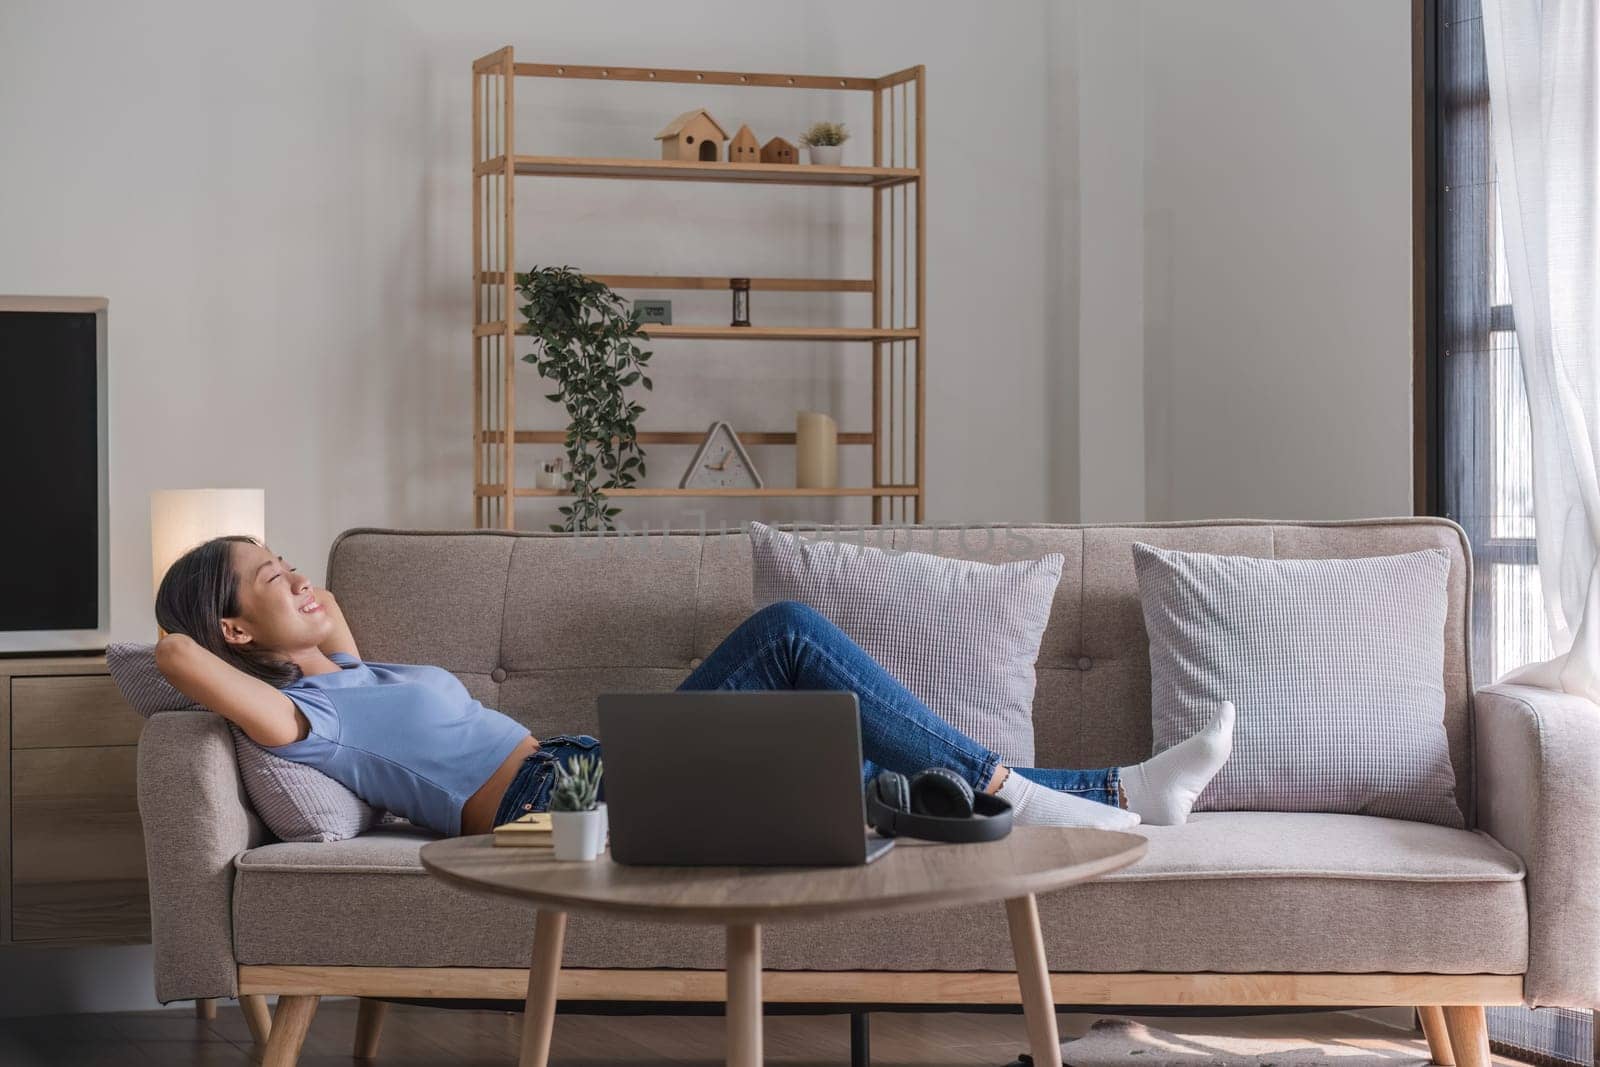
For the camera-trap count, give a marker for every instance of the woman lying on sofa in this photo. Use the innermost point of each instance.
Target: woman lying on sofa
(251, 638)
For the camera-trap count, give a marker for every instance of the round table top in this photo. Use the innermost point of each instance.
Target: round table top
(913, 875)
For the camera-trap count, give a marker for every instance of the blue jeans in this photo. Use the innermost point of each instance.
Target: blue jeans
(790, 645)
(530, 789)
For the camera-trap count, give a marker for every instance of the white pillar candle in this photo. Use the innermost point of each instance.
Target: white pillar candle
(816, 451)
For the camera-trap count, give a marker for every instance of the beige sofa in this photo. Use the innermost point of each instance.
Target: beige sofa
(1232, 909)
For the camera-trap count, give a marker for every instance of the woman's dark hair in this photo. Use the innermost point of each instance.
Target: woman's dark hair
(198, 592)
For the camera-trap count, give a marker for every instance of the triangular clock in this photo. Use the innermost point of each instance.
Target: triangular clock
(721, 462)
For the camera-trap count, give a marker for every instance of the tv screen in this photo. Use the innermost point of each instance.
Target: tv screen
(52, 477)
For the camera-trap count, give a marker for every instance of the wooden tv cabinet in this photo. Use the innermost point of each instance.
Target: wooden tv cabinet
(72, 865)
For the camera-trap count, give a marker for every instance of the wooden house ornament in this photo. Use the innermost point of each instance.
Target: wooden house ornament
(693, 135)
(744, 148)
(778, 150)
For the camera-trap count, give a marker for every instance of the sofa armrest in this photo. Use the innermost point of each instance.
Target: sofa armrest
(196, 820)
(1538, 789)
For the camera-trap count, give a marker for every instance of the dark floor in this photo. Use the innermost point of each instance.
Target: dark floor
(413, 1036)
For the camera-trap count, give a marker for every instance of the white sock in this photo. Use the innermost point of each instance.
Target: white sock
(1164, 787)
(1033, 804)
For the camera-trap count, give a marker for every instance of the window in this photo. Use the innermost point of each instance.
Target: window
(1485, 453)
(1482, 452)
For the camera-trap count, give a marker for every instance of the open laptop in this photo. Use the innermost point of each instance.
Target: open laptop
(735, 778)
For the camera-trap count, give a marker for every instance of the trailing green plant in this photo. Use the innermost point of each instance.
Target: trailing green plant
(577, 785)
(586, 341)
(823, 134)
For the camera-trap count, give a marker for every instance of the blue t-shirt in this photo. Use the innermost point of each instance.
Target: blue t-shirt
(406, 738)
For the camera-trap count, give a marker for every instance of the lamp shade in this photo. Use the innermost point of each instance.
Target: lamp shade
(183, 518)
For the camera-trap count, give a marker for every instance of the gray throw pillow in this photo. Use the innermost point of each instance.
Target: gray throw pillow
(1335, 668)
(295, 801)
(962, 636)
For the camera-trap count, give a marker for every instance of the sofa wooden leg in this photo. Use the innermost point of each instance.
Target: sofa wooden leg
(289, 1026)
(205, 1008)
(369, 1023)
(1469, 1035)
(257, 1016)
(1438, 1036)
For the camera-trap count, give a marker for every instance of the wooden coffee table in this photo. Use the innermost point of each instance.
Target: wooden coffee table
(914, 875)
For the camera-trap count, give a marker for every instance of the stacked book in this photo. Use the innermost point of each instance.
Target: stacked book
(531, 830)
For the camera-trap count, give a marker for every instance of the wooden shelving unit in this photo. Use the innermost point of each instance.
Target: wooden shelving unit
(894, 335)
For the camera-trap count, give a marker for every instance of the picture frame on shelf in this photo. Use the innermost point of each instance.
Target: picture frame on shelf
(656, 312)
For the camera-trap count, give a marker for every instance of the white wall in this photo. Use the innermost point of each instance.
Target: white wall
(1239, 234)
(1278, 286)
(275, 199)
(1110, 245)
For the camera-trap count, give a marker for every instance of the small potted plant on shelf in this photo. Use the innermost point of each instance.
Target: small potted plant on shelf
(577, 817)
(824, 143)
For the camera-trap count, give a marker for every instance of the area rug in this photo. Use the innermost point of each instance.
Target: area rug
(1121, 1042)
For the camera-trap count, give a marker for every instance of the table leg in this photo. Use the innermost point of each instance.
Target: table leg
(860, 1040)
(1038, 1004)
(744, 995)
(538, 1019)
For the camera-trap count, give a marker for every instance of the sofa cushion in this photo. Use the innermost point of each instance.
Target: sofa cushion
(962, 636)
(1230, 892)
(1336, 668)
(297, 802)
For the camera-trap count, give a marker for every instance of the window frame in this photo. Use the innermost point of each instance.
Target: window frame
(1455, 318)
(1455, 324)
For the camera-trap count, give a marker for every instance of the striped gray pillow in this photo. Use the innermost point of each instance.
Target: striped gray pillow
(297, 802)
(1335, 667)
(963, 636)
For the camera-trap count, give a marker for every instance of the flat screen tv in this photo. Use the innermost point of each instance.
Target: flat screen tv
(54, 518)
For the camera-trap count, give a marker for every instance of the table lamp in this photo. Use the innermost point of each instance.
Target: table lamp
(183, 518)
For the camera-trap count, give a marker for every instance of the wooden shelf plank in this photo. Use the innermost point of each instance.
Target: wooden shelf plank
(692, 77)
(701, 332)
(854, 490)
(697, 171)
(671, 437)
(708, 332)
(714, 283)
(757, 285)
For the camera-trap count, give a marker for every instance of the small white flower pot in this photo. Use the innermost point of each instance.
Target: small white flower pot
(826, 155)
(549, 479)
(578, 835)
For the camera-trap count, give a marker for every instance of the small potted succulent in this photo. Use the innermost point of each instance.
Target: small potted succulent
(824, 143)
(577, 818)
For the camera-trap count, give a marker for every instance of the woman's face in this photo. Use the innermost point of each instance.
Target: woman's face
(274, 600)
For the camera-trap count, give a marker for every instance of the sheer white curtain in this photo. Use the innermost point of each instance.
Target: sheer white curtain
(1544, 90)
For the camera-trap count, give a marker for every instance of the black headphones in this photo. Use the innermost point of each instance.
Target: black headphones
(936, 805)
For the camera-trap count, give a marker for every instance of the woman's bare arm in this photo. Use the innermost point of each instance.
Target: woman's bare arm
(264, 713)
(340, 639)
